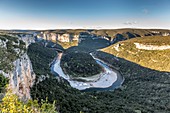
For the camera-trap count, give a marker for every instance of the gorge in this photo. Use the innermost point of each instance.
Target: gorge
(138, 76)
(103, 80)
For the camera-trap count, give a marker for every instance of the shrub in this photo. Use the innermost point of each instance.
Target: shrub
(11, 104)
(3, 82)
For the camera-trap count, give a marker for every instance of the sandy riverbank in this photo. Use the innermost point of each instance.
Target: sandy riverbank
(107, 78)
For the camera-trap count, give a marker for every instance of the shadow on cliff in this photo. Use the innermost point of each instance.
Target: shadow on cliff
(132, 71)
(144, 90)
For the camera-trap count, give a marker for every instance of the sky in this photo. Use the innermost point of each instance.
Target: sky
(84, 14)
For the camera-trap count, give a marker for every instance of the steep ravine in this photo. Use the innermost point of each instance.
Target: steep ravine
(106, 80)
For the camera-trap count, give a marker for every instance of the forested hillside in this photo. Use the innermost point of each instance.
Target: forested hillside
(150, 52)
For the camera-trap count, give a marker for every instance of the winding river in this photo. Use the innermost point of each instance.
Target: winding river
(110, 79)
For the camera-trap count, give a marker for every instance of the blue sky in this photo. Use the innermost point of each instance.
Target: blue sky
(98, 14)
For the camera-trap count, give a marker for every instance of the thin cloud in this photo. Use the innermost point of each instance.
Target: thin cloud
(145, 11)
(130, 23)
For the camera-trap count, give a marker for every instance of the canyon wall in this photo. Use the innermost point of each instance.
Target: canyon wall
(22, 77)
(66, 37)
(151, 47)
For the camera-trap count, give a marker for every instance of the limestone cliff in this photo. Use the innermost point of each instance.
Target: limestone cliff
(16, 65)
(151, 47)
(22, 77)
(61, 37)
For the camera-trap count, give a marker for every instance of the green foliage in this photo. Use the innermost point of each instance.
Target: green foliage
(154, 59)
(70, 100)
(66, 45)
(12, 104)
(79, 64)
(22, 43)
(94, 44)
(78, 49)
(10, 38)
(3, 82)
(128, 33)
(51, 44)
(41, 57)
(152, 40)
(8, 53)
(144, 90)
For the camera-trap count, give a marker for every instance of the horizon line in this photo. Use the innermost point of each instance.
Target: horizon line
(27, 29)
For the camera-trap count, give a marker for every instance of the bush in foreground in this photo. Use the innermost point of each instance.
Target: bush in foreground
(11, 104)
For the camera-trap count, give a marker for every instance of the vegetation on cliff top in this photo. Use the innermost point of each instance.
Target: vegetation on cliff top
(11, 48)
(154, 59)
(66, 45)
(128, 33)
(94, 43)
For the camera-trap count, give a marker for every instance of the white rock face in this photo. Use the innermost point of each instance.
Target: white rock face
(117, 47)
(58, 37)
(3, 43)
(155, 32)
(76, 37)
(165, 34)
(4, 74)
(22, 77)
(53, 36)
(28, 39)
(64, 37)
(151, 47)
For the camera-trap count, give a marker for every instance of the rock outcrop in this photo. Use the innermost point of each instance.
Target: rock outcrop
(20, 72)
(61, 37)
(151, 47)
(22, 77)
(28, 39)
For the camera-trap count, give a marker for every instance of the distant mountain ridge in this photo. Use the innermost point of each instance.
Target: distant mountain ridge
(113, 35)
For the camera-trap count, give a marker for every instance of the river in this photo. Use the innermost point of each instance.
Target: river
(110, 79)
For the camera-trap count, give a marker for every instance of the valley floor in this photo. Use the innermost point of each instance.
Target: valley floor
(107, 78)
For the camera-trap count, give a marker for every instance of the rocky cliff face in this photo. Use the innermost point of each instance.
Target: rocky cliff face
(22, 77)
(113, 36)
(151, 47)
(16, 65)
(61, 37)
(27, 38)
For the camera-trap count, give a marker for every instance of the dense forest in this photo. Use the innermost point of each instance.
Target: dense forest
(41, 57)
(94, 43)
(79, 64)
(144, 90)
(3, 82)
(154, 59)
